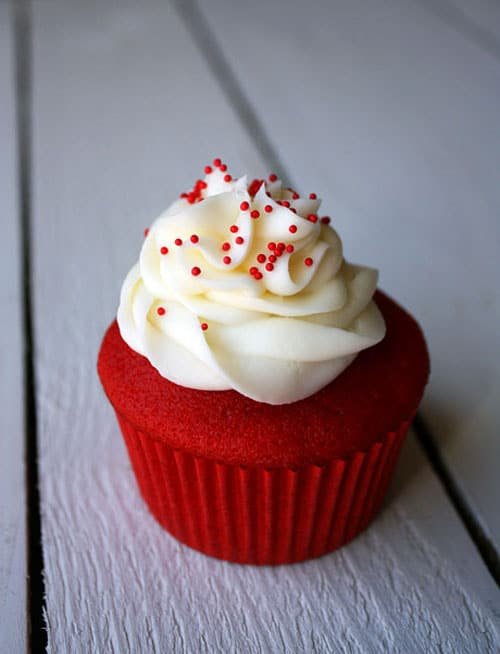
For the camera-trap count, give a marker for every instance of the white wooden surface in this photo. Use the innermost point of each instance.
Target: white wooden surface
(126, 110)
(12, 496)
(391, 111)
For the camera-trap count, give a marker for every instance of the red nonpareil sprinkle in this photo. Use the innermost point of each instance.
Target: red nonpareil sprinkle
(183, 195)
(290, 248)
(285, 203)
(239, 240)
(208, 170)
(202, 184)
(273, 177)
(254, 186)
(161, 311)
(269, 267)
(195, 271)
(146, 232)
(204, 326)
(191, 198)
(217, 162)
(261, 258)
(253, 270)
(280, 245)
(292, 229)
(194, 238)
(325, 220)
(293, 209)
(268, 208)
(258, 275)
(226, 246)
(227, 178)
(271, 258)
(223, 167)
(226, 260)
(312, 217)
(308, 261)
(234, 229)
(244, 206)
(271, 245)
(295, 196)
(178, 241)
(164, 250)
(312, 196)
(255, 213)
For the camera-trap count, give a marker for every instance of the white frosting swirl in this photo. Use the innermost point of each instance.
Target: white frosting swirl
(276, 334)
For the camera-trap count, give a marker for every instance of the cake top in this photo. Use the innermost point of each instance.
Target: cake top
(244, 286)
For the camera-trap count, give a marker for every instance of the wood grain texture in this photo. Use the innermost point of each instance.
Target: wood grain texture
(12, 493)
(126, 111)
(390, 112)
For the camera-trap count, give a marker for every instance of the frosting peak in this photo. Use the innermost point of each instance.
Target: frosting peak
(244, 286)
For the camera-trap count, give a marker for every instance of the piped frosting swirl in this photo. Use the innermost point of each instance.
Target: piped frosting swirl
(244, 286)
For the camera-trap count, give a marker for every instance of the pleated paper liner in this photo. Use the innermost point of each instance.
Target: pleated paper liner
(258, 515)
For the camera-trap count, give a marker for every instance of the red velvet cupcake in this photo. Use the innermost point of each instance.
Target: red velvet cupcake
(262, 386)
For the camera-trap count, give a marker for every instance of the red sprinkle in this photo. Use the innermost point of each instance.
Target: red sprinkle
(269, 267)
(234, 228)
(227, 178)
(268, 208)
(255, 213)
(312, 217)
(217, 162)
(296, 196)
(223, 167)
(226, 246)
(271, 245)
(178, 241)
(161, 311)
(312, 196)
(253, 270)
(273, 177)
(164, 250)
(194, 238)
(208, 170)
(244, 206)
(195, 271)
(258, 275)
(261, 258)
(204, 326)
(226, 260)
(183, 195)
(325, 220)
(146, 232)
(308, 261)
(280, 245)
(290, 248)
(285, 203)
(272, 258)
(292, 229)
(239, 240)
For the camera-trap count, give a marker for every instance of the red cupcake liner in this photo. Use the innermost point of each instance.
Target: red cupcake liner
(257, 515)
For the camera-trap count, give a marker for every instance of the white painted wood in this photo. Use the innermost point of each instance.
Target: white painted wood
(125, 112)
(12, 494)
(390, 111)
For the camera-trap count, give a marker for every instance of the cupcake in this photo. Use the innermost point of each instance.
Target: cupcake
(262, 384)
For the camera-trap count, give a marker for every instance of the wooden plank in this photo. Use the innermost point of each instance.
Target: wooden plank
(12, 492)
(402, 139)
(125, 109)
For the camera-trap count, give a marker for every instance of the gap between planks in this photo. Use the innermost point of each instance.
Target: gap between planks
(36, 631)
(196, 24)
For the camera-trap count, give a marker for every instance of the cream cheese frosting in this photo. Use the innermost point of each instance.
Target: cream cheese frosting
(244, 286)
